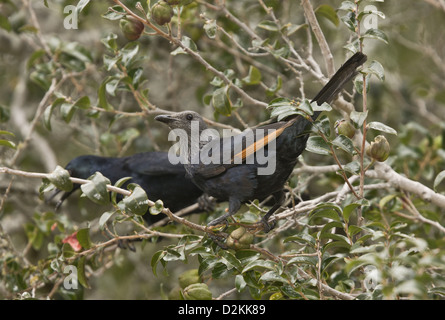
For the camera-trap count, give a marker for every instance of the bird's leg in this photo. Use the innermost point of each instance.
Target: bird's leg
(234, 206)
(279, 198)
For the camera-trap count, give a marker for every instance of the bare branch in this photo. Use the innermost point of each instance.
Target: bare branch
(327, 55)
(396, 180)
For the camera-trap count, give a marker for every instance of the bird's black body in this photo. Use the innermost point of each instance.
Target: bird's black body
(239, 183)
(151, 170)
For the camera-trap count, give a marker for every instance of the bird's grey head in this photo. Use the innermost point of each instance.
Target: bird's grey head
(183, 120)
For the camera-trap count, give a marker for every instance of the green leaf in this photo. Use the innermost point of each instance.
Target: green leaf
(210, 29)
(376, 69)
(259, 264)
(157, 208)
(358, 84)
(81, 5)
(47, 114)
(61, 179)
(221, 101)
(81, 275)
(240, 283)
(336, 244)
(281, 108)
(110, 41)
(102, 95)
(275, 88)
(7, 133)
(67, 250)
(268, 25)
(326, 210)
(129, 52)
(75, 50)
(358, 118)
(36, 55)
(96, 189)
(439, 179)
(187, 43)
(306, 107)
(254, 76)
(5, 113)
(110, 62)
(67, 111)
(272, 276)
(7, 143)
(348, 6)
(137, 202)
(322, 126)
(303, 260)
(381, 127)
(374, 12)
(104, 219)
(119, 183)
(111, 86)
(350, 21)
(344, 143)
(375, 34)
(329, 13)
(83, 103)
(230, 260)
(157, 257)
(292, 28)
(114, 13)
(83, 236)
(317, 145)
(302, 238)
(320, 108)
(352, 167)
(347, 211)
(386, 199)
(4, 23)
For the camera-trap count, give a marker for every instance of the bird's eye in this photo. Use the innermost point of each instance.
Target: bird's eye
(189, 116)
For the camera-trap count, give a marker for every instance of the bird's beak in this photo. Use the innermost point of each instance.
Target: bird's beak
(165, 118)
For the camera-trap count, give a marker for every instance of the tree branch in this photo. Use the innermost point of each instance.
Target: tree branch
(313, 22)
(396, 180)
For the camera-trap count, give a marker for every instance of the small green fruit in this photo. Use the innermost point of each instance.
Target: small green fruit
(197, 291)
(239, 239)
(175, 294)
(162, 13)
(379, 149)
(345, 128)
(189, 277)
(131, 28)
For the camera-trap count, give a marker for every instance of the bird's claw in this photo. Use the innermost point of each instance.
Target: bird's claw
(219, 240)
(266, 225)
(206, 203)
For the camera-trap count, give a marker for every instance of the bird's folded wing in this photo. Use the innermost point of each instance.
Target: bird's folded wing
(234, 150)
(152, 164)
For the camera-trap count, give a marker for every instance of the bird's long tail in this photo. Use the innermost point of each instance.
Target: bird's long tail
(343, 75)
(295, 139)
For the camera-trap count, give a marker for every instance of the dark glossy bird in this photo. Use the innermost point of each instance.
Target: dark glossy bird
(240, 179)
(151, 170)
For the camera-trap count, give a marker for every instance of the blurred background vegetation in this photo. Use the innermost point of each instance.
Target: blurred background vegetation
(38, 55)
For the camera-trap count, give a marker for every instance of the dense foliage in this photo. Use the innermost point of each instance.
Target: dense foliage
(363, 217)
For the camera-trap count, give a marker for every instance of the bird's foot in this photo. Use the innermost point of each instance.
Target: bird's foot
(126, 244)
(266, 225)
(206, 203)
(219, 240)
